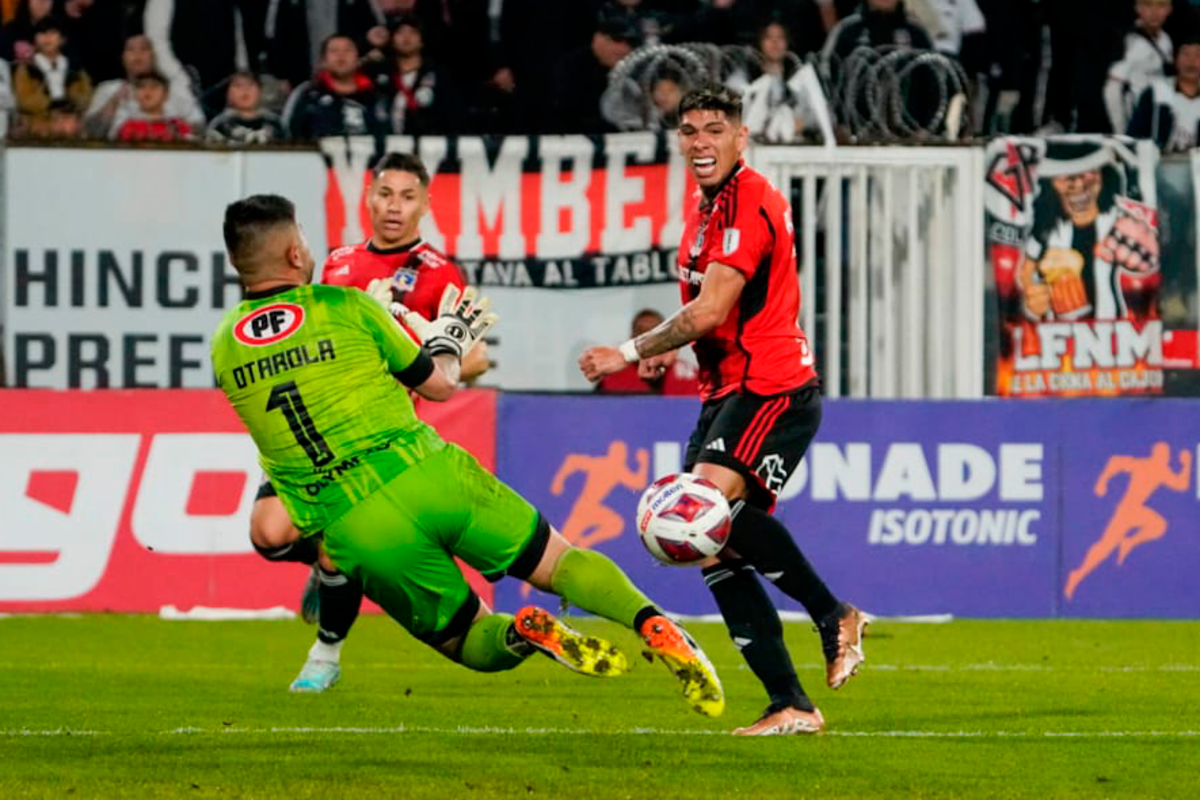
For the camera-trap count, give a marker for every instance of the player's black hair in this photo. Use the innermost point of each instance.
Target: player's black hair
(247, 220)
(325, 42)
(404, 162)
(712, 98)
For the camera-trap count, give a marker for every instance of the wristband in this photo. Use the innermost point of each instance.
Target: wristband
(629, 351)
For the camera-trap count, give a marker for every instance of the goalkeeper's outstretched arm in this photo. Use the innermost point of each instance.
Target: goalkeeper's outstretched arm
(443, 381)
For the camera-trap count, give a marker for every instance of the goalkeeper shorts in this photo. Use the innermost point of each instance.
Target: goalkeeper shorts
(401, 541)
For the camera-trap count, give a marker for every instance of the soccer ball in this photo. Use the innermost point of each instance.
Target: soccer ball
(683, 519)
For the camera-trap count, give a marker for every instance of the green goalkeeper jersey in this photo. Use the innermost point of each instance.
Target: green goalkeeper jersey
(312, 371)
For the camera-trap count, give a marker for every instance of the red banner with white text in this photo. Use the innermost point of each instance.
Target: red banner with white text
(552, 212)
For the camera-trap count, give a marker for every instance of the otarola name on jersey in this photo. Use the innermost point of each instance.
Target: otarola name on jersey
(276, 363)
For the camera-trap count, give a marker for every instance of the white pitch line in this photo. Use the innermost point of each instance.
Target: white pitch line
(529, 731)
(53, 732)
(987, 666)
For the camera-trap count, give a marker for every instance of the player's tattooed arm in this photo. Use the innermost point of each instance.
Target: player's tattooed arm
(718, 295)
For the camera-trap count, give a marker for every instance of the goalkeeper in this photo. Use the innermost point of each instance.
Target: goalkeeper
(317, 375)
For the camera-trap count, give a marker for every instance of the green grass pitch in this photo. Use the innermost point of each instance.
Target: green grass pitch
(121, 706)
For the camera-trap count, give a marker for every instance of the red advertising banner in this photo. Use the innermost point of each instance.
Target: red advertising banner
(1073, 239)
(132, 500)
(558, 212)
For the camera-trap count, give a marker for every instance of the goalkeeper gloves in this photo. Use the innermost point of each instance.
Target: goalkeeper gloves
(463, 319)
(380, 290)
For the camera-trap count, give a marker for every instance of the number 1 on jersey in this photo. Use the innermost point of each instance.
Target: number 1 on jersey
(286, 397)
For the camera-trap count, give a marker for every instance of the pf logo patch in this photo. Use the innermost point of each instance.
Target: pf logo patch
(269, 324)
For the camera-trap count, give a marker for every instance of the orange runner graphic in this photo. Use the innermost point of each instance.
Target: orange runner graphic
(591, 521)
(1133, 523)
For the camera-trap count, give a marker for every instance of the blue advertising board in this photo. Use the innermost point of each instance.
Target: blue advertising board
(1071, 508)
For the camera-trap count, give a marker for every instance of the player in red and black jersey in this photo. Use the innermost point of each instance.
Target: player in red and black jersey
(762, 404)
(397, 200)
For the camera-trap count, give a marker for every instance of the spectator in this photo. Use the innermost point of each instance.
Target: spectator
(1168, 110)
(213, 38)
(829, 14)
(1148, 55)
(47, 76)
(115, 98)
(339, 100)
(412, 81)
(507, 51)
(666, 90)
(296, 30)
(878, 23)
(287, 54)
(151, 121)
(776, 109)
(679, 378)
(807, 22)
(244, 120)
(430, 16)
(651, 25)
(1008, 86)
(18, 34)
(1085, 38)
(95, 32)
(719, 22)
(950, 23)
(582, 75)
(65, 121)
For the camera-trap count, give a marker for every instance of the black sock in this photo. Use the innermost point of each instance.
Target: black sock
(755, 629)
(340, 598)
(303, 551)
(643, 615)
(763, 541)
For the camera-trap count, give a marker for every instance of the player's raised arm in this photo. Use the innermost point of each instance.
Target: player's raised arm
(718, 295)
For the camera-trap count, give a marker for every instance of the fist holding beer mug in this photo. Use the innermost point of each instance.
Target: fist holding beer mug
(1062, 270)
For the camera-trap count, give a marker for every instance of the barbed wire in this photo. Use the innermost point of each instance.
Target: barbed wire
(898, 94)
(890, 94)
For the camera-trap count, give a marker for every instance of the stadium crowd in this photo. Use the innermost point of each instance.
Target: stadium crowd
(251, 72)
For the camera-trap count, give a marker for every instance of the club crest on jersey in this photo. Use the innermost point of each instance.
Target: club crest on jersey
(269, 324)
(404, 280)
(731, 240)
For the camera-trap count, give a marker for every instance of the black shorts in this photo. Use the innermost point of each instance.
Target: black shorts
(763, 438)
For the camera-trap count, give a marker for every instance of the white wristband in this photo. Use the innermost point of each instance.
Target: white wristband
(629, 351)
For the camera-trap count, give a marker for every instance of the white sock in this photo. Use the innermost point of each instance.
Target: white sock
(326, 652)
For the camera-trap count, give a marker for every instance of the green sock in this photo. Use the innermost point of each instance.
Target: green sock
(487, 646)
(591, 581)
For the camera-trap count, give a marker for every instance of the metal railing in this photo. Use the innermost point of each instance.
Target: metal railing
(890, 246)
